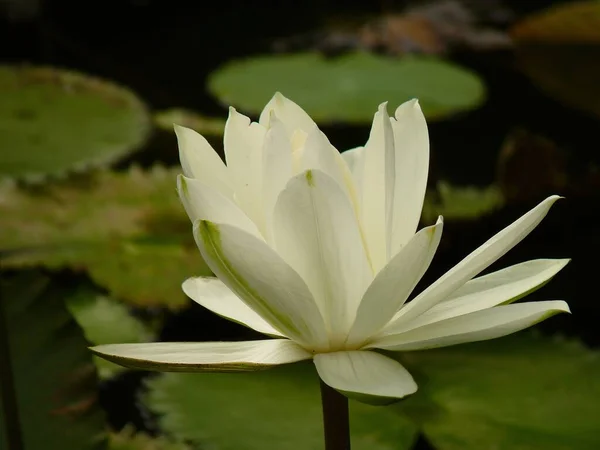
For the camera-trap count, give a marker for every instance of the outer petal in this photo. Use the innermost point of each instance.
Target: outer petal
(474, 263)
(214, 295)
(316, 232)
(378, 189)
(264, 281)
(203, 202)
(411, 142)
(394, 283)
(366, 376)
(477, 326)
(243, 150)
(502, 287)
(293, 116)
(199, 160)
(204, 356)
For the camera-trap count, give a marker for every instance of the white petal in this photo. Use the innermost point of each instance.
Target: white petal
(243, 150)
(262, 280)
(474, 263)
(316, 232)
(502, 287)
(477, 326)
(378, 189)
(365, 375)
(211, 293)
(353, 158)
(277, 168)
(293, 116)
(411, 142)
(204, 202)
(199, 160)
(204, 356)
(394, 283)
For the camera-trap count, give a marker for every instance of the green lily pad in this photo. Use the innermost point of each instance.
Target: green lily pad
(55, 380)
(517, 393)
(54, 121)
(279, 408)
(106, 321)
(348, 88)
(128, 440)
(206, 126)
(127, 230)
(461, 202)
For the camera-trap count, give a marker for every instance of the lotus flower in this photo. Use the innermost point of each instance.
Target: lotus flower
(320, 252)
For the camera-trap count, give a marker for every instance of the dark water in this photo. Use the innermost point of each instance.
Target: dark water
(164, 51)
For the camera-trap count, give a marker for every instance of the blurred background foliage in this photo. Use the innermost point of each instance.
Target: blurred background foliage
(94, 244)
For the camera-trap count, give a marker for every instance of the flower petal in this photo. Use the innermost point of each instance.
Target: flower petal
(394, 283)
(365, 376)
(498, 288)
(477, 326)
(199, 160)
(293, 116)
(262, 280)
(211, 293)
(411, 143)
(474, 263)
(244, 142)
(203, 356)
(378, 189)
(204, 202)
(316, 232)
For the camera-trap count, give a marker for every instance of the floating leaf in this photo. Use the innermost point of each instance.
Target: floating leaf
(207, 126)
(553, 46)
(106, 321)
(52, 368)
(128, 440)
(279, 408)
(348, 88)
(517, 393)
(129, 231)
(54, 121)
(460, 203)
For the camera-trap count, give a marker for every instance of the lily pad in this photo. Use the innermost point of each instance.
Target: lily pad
(279, 408)
(206, 126)
(127, 230)
(54, 121)
(517, 393)
(554, 45)
(128, 440)
(461, 202)
(106, 321)
(348, 88)
(54, 378)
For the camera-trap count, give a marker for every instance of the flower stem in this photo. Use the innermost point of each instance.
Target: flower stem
(335, 419)
(8, 396)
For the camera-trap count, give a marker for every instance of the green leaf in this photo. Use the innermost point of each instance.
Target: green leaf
(128, 440)
(279, 408)
(54, 376)
(54, 121)
(206, 126)
(106, 321)
(461, 202)
(552, 46)
(128, 231)
(348, 88)
(517, 393)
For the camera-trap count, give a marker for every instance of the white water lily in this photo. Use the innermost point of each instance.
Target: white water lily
(320, 251)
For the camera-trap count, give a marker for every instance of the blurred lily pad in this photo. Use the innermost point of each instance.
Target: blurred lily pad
(517, 393)
(279, 408)
(348, 88)
(52, 368)
(206, 126)
(128, 440)
(127, 230)
(54, 121)
(106, 321)
(559, 49)
(461, 202)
